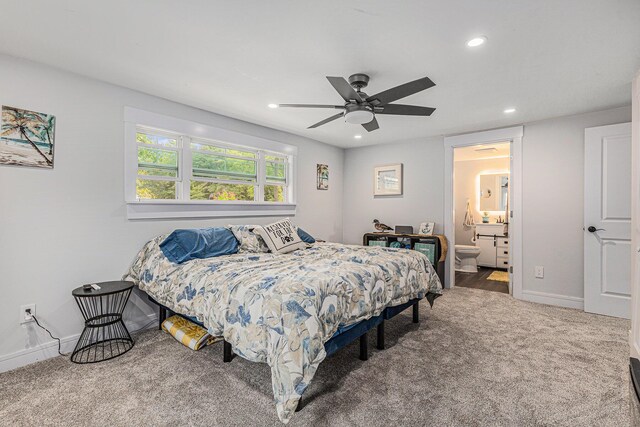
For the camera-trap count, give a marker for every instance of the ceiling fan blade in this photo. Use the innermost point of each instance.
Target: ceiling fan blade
(325, 121)
(371, 126)
(405, 110)
(344, 89)
(337, 107)
(401, 91)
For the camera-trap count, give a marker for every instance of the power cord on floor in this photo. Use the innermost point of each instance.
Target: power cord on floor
(35, 319)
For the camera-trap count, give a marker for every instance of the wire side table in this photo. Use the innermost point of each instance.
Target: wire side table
(104, 335)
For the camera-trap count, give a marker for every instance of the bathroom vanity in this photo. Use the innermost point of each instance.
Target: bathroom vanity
(493, 241)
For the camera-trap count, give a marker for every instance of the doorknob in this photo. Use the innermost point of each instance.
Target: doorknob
(592, 229)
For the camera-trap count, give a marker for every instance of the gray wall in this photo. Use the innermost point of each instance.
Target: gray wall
(553, 200)
(423, 187)
(553, 195)
(64, 227)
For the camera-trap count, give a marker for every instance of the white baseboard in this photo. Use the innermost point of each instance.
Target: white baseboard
(553, 299)
(633, 346)
(49, 349)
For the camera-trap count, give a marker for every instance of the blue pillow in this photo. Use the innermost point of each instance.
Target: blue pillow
(185, 245)
(305, 237)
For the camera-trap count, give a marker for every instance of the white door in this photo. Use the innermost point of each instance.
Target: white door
(607, 220)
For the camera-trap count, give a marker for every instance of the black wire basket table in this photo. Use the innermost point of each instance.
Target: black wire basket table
(104, 336)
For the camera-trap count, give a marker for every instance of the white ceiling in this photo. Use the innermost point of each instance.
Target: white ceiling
(546, 58)
(482, 152)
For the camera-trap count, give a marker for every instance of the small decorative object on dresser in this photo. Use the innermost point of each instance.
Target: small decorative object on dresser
(426, 228)
(322, 172)
(404, 229)
(387, 180)
(380, 227)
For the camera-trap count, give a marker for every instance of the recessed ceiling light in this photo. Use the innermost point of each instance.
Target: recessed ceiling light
(510, 110)
(273, 105)
(476, 41)
(357, 136)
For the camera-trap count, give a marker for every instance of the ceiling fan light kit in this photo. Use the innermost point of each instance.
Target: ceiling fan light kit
(358, 114)
(361, 109)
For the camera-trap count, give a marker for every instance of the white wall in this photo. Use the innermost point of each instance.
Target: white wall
(553, 197)
(465, 188)
(423, 177)
(65, 227)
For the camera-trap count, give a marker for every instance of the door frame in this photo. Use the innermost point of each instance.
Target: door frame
(634, 334)
(514, 136)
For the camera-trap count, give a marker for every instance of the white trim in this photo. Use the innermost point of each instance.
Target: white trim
(195, 132)
(514, 135)
(553, 299)
(49, 349)
(179, 209)
(635, 218)
(634, 348)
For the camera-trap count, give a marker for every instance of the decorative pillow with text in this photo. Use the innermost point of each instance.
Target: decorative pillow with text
(281, 237)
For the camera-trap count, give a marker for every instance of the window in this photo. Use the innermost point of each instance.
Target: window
(158, 166)
(183, 168)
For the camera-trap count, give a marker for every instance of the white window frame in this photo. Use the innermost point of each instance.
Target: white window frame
(189, 132)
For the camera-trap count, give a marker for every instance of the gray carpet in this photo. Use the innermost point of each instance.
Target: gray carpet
(477, 359)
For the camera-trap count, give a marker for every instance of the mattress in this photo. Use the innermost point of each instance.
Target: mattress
(281, 309)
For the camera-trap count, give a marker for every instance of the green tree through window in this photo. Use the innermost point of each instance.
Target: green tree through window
(217, 172)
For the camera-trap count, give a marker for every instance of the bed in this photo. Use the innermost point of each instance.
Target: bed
(282, 309)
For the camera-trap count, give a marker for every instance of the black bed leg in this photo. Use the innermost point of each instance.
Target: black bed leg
(416, 312)
(364, 347)
(380, 336)
(300, 405)
(227, 352)
(162, 315)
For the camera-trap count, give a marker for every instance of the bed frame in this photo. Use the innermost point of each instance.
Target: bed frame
(340, 339)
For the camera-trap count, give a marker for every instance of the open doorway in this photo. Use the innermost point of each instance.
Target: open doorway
(513, 212)
(481, 204)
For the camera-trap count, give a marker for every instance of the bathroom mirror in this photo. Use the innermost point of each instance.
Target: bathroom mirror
(494, 189)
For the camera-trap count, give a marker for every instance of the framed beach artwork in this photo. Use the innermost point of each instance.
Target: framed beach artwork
(27, 138)
(323, 176)
(387, 180)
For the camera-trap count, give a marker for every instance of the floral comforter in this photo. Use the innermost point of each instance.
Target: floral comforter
(282, 308)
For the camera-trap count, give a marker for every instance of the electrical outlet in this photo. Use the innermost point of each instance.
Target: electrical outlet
(539, 272)
(26, 317)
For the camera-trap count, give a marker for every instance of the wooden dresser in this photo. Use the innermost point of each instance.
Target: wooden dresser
(434, 247)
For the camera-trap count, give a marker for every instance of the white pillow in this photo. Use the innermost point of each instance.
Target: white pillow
(281, 237)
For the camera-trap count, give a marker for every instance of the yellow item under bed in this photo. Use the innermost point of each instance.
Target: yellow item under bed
(188, 333)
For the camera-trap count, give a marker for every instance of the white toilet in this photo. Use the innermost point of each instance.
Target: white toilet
(466, 258)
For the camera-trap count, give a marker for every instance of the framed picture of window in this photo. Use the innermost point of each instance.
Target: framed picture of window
(387, 180)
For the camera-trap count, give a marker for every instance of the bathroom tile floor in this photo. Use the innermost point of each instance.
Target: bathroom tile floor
(479, 281)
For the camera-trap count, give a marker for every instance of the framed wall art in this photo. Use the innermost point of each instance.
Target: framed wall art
(322, 176)
(387, 180)
(26, 138)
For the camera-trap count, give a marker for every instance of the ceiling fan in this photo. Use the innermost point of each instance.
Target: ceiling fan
(361, 109)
